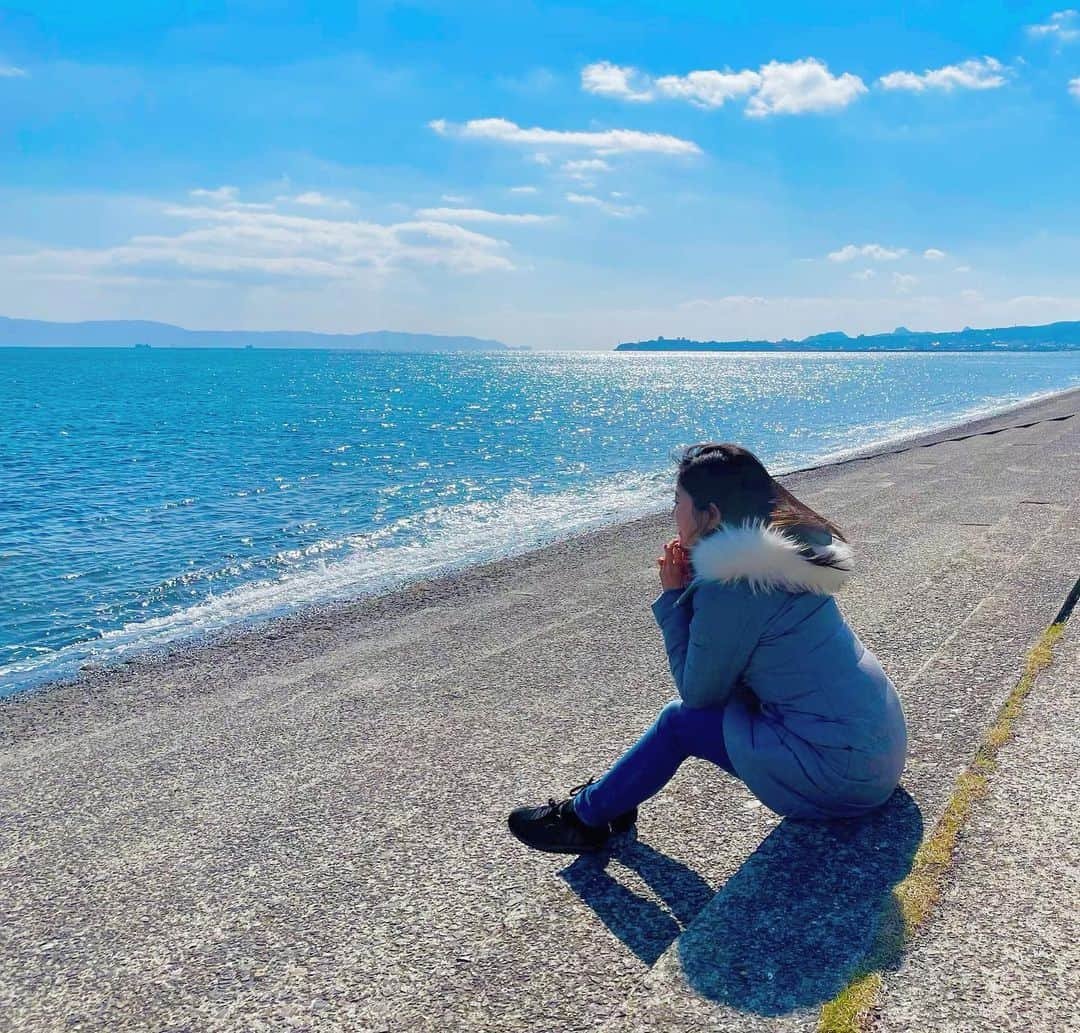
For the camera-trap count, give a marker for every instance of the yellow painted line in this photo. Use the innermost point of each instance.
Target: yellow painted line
(915, 897)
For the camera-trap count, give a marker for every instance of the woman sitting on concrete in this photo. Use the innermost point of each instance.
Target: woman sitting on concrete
(774, 685)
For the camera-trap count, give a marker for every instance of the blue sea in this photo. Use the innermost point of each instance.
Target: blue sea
(149, 496)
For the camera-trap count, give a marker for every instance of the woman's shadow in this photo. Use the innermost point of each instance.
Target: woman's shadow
(789, 929)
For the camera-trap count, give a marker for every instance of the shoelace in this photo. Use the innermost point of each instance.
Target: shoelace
(584, 785)
(560, 807)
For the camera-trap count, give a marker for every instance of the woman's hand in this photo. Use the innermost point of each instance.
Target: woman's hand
(674, 566)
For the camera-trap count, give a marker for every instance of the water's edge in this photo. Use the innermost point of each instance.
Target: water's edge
(346, 609)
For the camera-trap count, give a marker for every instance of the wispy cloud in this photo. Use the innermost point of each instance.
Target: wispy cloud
(313, 199)
(1061, 26)
(232, 244)
(875, 252)
(586, 170)
(864, 274)
(976, 74)
(1074, 87)
(777, 88)
(11, 72)
(619, 211)
(225, 193)
(607, 141)
(904, 282)
(518, 190)
(933, 254)
(228, 197)
(480, 215)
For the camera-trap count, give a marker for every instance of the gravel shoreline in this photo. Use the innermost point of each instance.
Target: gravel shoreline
(338, 616)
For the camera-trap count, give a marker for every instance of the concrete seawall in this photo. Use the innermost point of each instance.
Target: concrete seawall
(303, 826)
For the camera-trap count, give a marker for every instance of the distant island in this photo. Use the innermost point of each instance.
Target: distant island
(1051, 337)
(126, 333)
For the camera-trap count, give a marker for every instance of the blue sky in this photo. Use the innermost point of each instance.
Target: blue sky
(548, 174)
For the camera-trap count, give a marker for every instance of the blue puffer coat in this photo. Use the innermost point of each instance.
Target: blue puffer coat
(812, 723)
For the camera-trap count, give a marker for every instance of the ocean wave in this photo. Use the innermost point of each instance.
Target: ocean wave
(436, 540)
(415, 547)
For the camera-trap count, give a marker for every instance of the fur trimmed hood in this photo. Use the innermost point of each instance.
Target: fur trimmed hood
(770, 557)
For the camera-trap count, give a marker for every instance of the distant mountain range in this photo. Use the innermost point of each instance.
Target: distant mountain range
(1052, 337)
(127, 333)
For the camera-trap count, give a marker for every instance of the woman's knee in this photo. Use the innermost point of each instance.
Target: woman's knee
(672, 717)
(698, 731)
(688, 723)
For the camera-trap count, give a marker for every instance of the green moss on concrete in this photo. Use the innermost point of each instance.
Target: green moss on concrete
(916, 895)
(847, 1012)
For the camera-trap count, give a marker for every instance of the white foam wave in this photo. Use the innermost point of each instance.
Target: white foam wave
(437, 541)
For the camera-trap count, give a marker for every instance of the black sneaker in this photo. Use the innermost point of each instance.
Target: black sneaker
(624, 822)
(555, 827)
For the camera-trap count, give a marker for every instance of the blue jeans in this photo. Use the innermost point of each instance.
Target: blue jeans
(644, 769)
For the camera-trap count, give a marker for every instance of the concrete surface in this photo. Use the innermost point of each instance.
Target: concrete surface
(803, 914)
(304, 826)
(1001, 952)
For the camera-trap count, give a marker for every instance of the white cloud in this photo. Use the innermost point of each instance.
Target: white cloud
(218, 194)
(777, 88)
(975, 74)
(586, 165)
(226, 196)
(517, 190)
(479, 215)
(962, 269)
(454, 198)
(971, 295)
(313, 199)
(607, 141)
(875, 252)
(800, 86)
(1062, 26)
(609, 80)
(11, 72)
(1074, 87)
(864, 274)
(584, 171)
(708, 88)
(619, 211)
(903, 282)
(933, 254)
(234, 245)
(727, 301)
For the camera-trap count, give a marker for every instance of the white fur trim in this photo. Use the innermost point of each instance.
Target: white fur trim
(767, 558)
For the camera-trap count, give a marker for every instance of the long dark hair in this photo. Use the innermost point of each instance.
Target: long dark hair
(735, 480)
